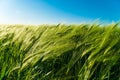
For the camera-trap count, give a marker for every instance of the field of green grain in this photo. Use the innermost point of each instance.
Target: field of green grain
(60, 52)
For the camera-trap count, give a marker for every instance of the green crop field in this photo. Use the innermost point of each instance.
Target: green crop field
(60, 52)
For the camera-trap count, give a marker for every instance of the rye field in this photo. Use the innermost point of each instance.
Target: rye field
(60, 52)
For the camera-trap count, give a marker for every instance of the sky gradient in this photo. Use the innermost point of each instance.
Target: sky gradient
(58, 11)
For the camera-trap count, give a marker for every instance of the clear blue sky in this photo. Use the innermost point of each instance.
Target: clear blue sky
(58, 11)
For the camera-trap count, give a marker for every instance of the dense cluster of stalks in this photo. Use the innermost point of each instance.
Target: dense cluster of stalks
(60, 52)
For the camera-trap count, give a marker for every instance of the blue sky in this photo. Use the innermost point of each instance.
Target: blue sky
(58, 11)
